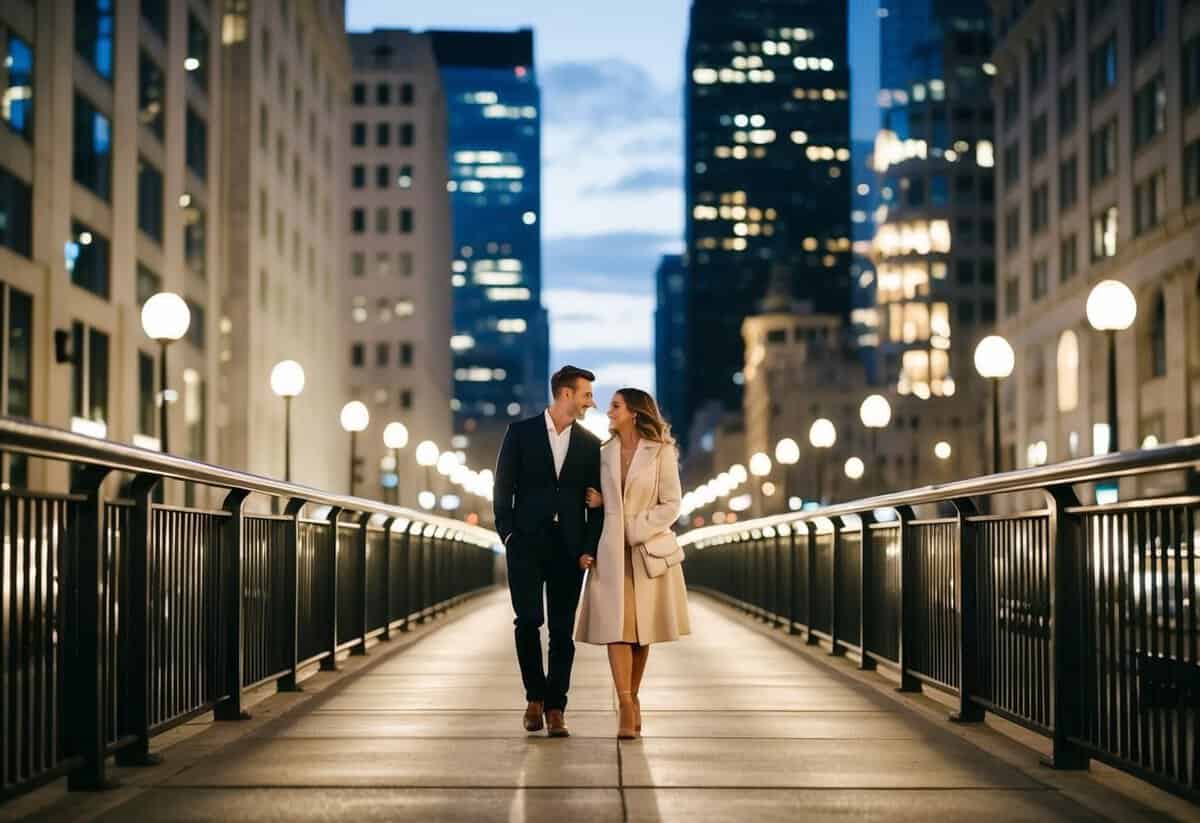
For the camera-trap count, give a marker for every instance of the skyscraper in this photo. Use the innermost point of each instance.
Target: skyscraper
(768, 176)
(669, 329)
(501, 337)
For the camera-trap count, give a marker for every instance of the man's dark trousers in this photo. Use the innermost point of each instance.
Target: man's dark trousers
(537, 562)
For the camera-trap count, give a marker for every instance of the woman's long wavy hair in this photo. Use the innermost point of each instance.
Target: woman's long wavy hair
(648, 420)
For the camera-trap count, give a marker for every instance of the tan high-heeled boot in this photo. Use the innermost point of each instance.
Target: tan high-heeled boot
(637, 713)
(626, 717)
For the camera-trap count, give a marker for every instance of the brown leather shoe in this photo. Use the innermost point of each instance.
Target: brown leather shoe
(557, 723)
(533, 716)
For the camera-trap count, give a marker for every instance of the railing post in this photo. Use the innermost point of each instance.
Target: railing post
(86, 667)
(404, 566)
(329, 662)
(422, 587)
(1066, 630)
(908, 611)
(232, 539)
(810, 560)
(360, 546)
(135, 705)
(793, 564)
(865, 579)
(835, 586)
(965, 602)
(387, 579)
(290, 681)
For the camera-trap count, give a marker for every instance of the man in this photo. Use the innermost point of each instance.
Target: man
(546, 465)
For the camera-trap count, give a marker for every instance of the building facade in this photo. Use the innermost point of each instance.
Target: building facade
(767, 177)
(396, 301)
(934, 226)
(501, 336)
(285, 79)
(1098, 166)
(110, 176)
(670, 326)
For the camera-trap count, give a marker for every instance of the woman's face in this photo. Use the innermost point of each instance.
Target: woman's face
(619, 415)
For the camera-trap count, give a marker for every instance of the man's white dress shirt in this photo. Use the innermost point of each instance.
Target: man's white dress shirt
(559, 443)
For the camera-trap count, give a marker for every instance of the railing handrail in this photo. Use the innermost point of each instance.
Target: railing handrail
(1175, 456)
(38, 440)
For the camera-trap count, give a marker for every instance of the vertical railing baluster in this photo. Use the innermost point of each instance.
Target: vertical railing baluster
(793, 563)
(404, 566)
(136, 683)
(835, 586)
(85, 635)
(965, 579)
(1066, 635)
(232, 536)
(865, 581)
(908, 605)
(361, 538)
(290, 681)
(386, 582)
(329, 662)
(810, 560)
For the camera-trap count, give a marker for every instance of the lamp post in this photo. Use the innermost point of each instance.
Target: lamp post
(822, 434)
(427, 456)
(355, 418)
(395, 437)
(787, 454)
(287, 381)
(875, 413)
(1111, 307)
(165, 319)
(994, 360)
(760, 467)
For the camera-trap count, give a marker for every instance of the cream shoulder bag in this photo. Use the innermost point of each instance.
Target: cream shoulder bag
(662, 550)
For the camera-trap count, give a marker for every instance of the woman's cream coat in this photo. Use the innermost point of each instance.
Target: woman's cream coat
(634, 517)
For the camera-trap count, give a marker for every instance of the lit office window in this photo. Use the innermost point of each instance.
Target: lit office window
(93, 148)
(16, 106)
(94, 34)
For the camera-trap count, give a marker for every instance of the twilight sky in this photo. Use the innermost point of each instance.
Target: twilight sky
(612, 153)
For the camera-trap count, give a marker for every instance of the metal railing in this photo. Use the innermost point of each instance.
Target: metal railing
(1078, 622)
(122, 618)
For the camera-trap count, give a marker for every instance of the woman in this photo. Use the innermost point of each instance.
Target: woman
(624, 607)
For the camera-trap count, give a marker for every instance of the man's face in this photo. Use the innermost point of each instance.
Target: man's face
(579, 399)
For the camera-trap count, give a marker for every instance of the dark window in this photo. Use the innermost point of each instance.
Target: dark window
(1041, 278)
(1068, 107)
(1149, 202)
(358, 220)
(383, 94)
(406, 134)
(916, 191)
(197, 328)
(358, 355)
(406, 94)
(964, 188)
(1038, 61)
(1038, 137)
(88, 259)
(987, 231)
(966, 314)
(987, 312)
(383, 176)
(1068, 182)
(1012, 296)
(966, 272)
(358, 134)
(406, 398)
(1158, 338)
(381, 220)
(987, 189)
(89, 374)
(964, 227)
(148, 283)
(154, 12)
(1012, 163)
(94, 34)
(17, 110)
(939, 190)
(1039, 209)
(1012, 104)
(147, 405)
(404, 264)
(93, 148)
(358, 176)
(16, 214)
(1103, 152)
(777, 336)
(150, 200)
(404, 178)
(382, 351)
(1065, 29)
(1149, 111)
(18, 369)
(197, 52)
(151, 94)
(1149, 20)
(406, 221)
(1012, 229)
(197, 144)
(1191, 172)
(1102, 67)
(406, 354)
(195, 226)
(383, 134)
(359, 94)
(1097, 9)
(1068, 259)
(1191, 72)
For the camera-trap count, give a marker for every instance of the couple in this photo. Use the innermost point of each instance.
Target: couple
(566, 504)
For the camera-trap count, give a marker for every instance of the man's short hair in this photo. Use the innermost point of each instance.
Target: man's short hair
(567, 377)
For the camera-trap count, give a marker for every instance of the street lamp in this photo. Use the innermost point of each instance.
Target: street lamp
(994, 360)
(942, 450)
(395, 437)
(854, 468)
(787, 454)
(1111, 307)
(165, 319)
(287, 381)
(822, 435)
(427, 456)
(760, 467)
(875, 413)
(355, 418)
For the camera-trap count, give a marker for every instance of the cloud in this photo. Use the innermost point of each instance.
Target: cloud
(604, 93)
(623, 261)
(600, 321)
(615, 374)
(643, 180)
